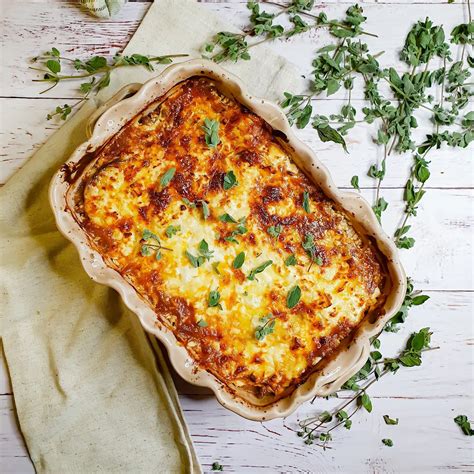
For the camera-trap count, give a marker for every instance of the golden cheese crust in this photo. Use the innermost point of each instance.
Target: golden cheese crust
(258, 274)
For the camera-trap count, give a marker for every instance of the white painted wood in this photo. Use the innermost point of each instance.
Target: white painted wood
(26, 129)
(426, 398)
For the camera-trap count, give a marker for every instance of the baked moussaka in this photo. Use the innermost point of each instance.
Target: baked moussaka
(197, 203)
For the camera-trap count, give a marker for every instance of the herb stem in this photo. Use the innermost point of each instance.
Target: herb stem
(315, 17)
(387, 360)
(344, 421)
(379, 182)
(404, 95)
(55, 78)
(105, 69)
(407, 215)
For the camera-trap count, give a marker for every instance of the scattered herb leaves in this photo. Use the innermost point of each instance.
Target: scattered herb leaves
(227, 218)
(312, 428)
(412, 298)
(390, 421)
(310, 247)
(152, 243)
(239, 229)
(306, 205)
(95, 71)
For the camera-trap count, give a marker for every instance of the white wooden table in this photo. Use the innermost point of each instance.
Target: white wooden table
(425, 399)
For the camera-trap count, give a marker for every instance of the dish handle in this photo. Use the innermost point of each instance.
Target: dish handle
(123, 93)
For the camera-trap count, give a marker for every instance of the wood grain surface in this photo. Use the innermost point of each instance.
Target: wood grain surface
(426, 399)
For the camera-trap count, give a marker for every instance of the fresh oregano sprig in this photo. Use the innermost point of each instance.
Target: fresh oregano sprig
(151, 243)
(337, 65)
(94, 72)
(322, 426)
(412, 298)
(229, 46)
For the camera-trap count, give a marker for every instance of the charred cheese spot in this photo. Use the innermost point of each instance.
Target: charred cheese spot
(123, 196)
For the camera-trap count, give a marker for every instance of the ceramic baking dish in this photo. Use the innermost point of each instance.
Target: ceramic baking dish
(330, 375)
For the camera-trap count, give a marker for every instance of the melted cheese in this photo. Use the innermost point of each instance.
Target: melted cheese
(123, 197)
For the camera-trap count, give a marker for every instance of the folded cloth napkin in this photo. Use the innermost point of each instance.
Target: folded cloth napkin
(91, 390)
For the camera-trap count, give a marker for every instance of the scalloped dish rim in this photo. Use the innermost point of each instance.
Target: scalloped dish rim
(349, 359)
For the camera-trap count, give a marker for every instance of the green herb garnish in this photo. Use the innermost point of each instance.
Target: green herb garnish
(211, 130)
(205, 209)
(387, 442)
(96, 69)
(266, 327)
(202, 323)
(374, 369)
(230, 180)
(463, 422)
(217, 467)
(188, 203)
(235, 46)
(310, 248)
(275, 230)
(152, 244)
(412, 298)
(291, 260)
(167, 177)
(259, 269)
(364, 400)
(239, 260)
(240, 229)
(390, 421)
(442, 91)
(227, 218)
(355, 182)
(172, 230)
(293, 297)
(306, 202)
(193, 205)
(204, 254)
(213, 299)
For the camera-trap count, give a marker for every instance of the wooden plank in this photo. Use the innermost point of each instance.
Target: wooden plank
(424, 398)
(26, 129)
(435, 442)
(427, 398)
(62, 23)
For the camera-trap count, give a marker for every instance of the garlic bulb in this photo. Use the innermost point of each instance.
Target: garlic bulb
(103, 8)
